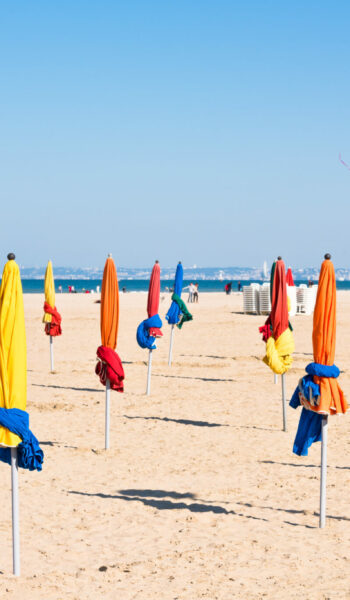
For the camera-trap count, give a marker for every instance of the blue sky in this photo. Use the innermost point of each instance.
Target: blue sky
(206, 132)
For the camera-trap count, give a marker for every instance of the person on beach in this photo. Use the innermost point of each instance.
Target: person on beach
(195, 293)
(228, 288)
(191, 290)
(239, 285)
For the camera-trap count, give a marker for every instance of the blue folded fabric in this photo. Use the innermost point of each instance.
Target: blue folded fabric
(309, 428)
(304, 386)
(322, 370)
(309, 431)
(30, 456)
(174, 313)
(144, 339)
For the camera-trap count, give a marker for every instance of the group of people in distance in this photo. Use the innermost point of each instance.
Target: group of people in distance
(192, 292)
(228, 287)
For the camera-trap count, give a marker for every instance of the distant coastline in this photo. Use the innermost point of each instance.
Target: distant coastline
(36, 286)
(221, 274)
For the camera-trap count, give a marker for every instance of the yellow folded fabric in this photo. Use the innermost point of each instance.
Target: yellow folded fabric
(49, 287)
(13, 350)
(278, 352)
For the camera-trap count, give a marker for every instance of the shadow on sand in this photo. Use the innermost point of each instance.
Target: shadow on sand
(285, 464)
(189, 377)
(146, 497)
(292, 511)
(63, 387)
(57, 444)
(179, 421)
(209, 356)
(155, 499)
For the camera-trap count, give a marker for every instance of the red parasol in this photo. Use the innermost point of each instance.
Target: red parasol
(153, 298)
(289, 277)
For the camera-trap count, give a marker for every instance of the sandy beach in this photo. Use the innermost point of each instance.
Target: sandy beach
(200, 495)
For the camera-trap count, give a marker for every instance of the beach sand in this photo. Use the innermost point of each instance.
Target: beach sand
(200, 495)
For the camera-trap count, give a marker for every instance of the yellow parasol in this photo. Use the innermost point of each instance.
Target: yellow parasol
(51, 318)
(13, 351)
(18, 446)
(49, 288)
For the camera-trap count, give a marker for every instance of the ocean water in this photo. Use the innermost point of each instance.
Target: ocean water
(36, 286)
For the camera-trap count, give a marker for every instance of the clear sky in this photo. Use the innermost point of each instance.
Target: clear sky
(193, 130)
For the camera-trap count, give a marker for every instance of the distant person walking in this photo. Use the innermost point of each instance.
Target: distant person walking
(195, 293)
(239, 286)
(228, 288)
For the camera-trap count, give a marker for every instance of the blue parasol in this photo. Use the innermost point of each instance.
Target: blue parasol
(173, 314)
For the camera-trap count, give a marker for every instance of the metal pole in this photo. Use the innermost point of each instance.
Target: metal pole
(148, 389)
(108, 394)
(323, 471)
(15, 512)
(51, 354)
(171, 345)
(275, 378)
(284, 412)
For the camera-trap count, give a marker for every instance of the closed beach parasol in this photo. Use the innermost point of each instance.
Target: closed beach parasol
(277, 331)
(289, 277)
(177, 313)
(319, 392)
(19, 447)
(51, 318)
(109, 367)
(150, 328)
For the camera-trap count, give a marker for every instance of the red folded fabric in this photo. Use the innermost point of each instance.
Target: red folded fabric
(110, 367)
(266, 331)
(155, 332)
(278, 318)
(53, 328)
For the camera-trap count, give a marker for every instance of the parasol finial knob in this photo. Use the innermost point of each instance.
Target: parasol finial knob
(279, 257)
(327, 256)
(179, 262)
(11, 256)
(109, 255)
(157, 261)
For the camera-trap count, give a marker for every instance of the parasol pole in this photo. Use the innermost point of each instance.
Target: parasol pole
(284, 412)
(171, 345)
(108, 395)
(148, 389)
(15, 511)
(51, 354)
(324, 433)
(275, 378)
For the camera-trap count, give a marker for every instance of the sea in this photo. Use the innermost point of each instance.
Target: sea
(81, 286)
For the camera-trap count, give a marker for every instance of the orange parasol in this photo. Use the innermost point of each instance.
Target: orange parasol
(332, 399)
(109, 305)
(109, 367)
(319, 391)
